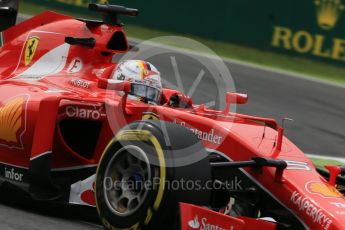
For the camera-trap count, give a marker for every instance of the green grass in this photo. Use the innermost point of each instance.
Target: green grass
(265, 58)
(322, 162)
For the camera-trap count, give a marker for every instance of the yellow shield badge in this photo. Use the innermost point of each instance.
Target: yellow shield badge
(30, 49)
(150, 116)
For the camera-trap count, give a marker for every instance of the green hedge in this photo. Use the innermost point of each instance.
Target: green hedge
(308, 28)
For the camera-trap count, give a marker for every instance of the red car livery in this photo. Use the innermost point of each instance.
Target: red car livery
(67, 133)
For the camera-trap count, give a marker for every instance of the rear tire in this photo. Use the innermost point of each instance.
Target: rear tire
(147, 154)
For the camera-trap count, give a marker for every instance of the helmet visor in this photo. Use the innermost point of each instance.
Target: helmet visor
(147, 92)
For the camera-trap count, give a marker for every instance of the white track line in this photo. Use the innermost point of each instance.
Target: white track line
(24, 16)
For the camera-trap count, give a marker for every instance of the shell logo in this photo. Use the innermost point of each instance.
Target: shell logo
(11, 119)
(322, 189)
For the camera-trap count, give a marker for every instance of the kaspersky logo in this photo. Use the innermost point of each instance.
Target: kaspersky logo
(328, 12)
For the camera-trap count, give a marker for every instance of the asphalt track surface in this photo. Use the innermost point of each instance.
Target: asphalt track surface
(317, 109)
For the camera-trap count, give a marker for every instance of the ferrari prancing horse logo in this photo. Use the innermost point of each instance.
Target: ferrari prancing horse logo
(150, 116)
(30, 49)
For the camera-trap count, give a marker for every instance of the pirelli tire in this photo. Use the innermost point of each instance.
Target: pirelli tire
(156, 148)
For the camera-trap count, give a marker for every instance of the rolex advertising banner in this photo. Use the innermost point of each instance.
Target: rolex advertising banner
(316, 29)
(309, 28)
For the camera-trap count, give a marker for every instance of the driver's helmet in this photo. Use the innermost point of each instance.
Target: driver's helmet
(145, 80)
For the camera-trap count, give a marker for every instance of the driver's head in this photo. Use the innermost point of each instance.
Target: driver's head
(145, 80)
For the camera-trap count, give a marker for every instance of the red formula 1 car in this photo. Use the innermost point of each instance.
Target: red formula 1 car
(68, 134)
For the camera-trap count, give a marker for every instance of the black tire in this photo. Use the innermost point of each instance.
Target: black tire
(163, 144)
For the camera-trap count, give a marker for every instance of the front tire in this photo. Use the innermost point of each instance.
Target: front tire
(137, 170)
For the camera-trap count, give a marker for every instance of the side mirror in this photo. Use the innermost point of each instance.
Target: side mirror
(234, 98)
(121, 86)
(180, 100)
(112, 84)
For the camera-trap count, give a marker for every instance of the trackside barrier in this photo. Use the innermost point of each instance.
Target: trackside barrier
(308, 28)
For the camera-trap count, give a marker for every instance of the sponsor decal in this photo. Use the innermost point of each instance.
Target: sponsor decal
(305, 42)
(98, 72)
(205, 136)
(75, 66)
(55, 90)
(338, 204)
(50, 63)
(328, 13)
(77, 112)
(297, 165)
(194, 217)
(30, 49)
(80, 83)
(12, 122)
(205, 225)
(88, 196)
(83, 192)
(305, 205)
(194, 223)
(150, 116)
(149, 81)
(13, 175)
(208, 226)
(322, 189)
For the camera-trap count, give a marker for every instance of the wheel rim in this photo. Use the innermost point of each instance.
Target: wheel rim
(124, 181)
